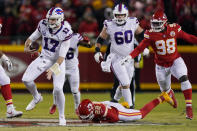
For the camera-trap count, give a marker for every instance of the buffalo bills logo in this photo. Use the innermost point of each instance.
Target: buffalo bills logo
(59, 11)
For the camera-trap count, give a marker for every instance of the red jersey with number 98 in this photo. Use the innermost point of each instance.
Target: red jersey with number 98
(164, 44)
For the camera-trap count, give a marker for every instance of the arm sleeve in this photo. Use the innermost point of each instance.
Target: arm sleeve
(35, 35)
(140, 48)
(64, 48)
(188, 37)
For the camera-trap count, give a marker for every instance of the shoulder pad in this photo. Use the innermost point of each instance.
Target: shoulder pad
(175, 25)
(106, 22)
(42, 25)
(43, 22)
(77, 36)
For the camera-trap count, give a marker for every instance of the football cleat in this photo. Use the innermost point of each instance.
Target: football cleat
(167, 98)
(62, 122)
(125, 104)
(52, 109)
(171, 94)
(189, 112)
(11, 112)
(33, 103)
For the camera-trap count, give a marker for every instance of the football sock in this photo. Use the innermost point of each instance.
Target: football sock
(118, 94)
(76, 99)
(126, 93)
(7, 94)
(188, 97)
(60, 101)
(151, 105)
(187, 91)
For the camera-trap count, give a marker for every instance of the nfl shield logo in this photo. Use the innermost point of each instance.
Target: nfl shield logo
(172, 33)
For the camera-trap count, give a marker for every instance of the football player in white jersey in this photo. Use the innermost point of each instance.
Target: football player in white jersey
(56, 34)
(72, 69)
(121, 30)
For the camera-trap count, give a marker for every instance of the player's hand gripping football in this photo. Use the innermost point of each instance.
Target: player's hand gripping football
(7, 62)
(31, 47)
(125, 60)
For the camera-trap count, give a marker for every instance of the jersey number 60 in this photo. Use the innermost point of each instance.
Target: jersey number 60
(123, 37)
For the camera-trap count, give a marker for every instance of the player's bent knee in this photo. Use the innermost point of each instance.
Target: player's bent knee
(183, 78)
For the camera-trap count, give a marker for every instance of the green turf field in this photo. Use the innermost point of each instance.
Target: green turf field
(170, 119)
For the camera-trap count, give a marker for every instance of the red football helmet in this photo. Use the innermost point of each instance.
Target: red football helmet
(86, 110)
(158, 21)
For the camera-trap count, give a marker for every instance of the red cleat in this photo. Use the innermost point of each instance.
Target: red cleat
(189, 112)
(171, 94)
(52, 109)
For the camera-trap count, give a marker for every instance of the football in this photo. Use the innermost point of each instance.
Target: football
(34, 46)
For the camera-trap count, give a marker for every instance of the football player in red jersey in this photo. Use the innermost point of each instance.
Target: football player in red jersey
(162, 37)
(5, 85)
(113, 112)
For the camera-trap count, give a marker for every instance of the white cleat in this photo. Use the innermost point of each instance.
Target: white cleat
(62, 122)
(11, 112)
(33, 103)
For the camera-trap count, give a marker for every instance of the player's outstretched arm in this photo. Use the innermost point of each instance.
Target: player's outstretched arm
(188, 37)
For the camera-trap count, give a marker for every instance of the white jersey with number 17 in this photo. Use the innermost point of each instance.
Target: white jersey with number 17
(51, 41)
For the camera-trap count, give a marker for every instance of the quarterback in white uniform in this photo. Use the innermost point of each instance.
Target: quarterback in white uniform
(56, 35)
(72, 69)
(121, 31)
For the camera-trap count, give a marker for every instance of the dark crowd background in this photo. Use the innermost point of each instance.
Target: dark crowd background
(20, 17)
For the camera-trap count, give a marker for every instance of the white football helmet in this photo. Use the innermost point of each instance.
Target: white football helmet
(55, 13)
(120, 9)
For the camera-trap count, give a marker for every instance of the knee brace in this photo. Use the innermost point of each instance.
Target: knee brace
(183, 78)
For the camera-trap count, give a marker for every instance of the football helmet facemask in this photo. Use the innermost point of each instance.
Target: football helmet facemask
(54, 16)
(86, 110)
(120, 14)
(158, 21)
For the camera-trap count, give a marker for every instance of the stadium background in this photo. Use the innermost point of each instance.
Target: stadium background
(21, 17)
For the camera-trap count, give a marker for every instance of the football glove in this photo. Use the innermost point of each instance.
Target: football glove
(105, 65)
(146, 52)
(97, 56)
(7, 62)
